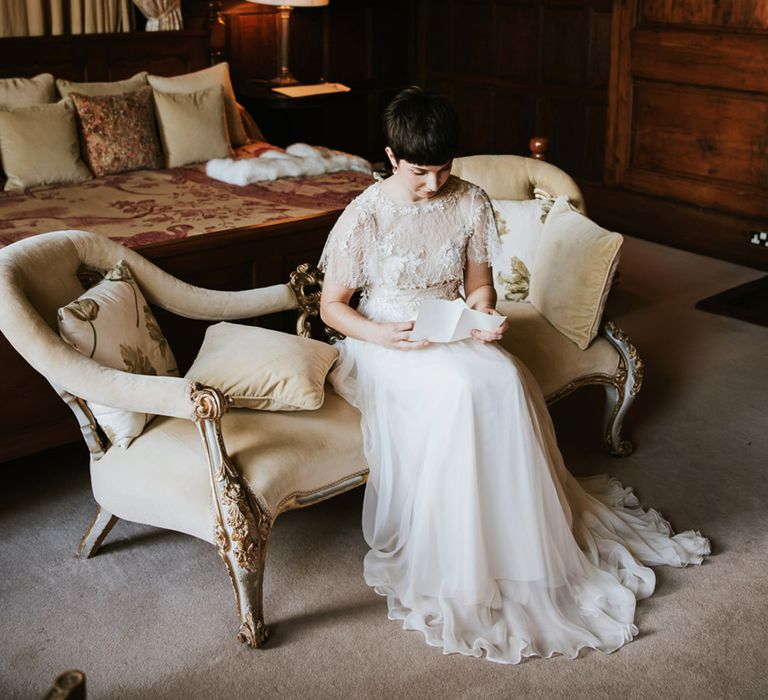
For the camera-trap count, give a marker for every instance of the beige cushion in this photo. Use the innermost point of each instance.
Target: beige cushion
(25, 92)
(263, 369)
(552, 358)
(208, 77)
(112, 323)
(192, 126)
(575, 264)
(115, 87)
(162, 478)
(39, 146)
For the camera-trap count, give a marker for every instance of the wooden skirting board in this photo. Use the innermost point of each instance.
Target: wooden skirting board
(705, 231)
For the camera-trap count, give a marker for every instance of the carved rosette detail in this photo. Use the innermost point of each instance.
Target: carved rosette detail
(241, 527)
(208, 403)
(253, 632)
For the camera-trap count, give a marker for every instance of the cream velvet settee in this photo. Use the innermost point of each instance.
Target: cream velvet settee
(221, 473)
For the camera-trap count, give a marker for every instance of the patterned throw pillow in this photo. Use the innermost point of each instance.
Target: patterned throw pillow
(118, 131)
(112, 323)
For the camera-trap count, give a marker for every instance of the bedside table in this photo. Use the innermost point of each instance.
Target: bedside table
(346, 121)
(286, 120)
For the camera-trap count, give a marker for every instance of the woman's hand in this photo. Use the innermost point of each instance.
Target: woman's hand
(490, 336)
(397, 335)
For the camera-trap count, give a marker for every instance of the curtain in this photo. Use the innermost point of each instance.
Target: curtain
(162, 15)
(38, 17)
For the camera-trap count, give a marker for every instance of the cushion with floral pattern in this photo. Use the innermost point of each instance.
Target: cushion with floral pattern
(118, 132)
(112, 323)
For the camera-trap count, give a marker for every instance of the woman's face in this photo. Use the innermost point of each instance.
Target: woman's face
(421, 181)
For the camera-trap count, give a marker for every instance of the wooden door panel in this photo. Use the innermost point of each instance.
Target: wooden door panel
(746, 14)
(698, 132)
(714, 59)
(688, 107)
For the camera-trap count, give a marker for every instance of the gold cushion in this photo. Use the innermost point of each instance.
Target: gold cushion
(552, 358)
(25, 92)
(112, 323)
(208, 77)
(192, 126)
(39, 146)
(116, 87)
(162, 478)
(263, 369)
(573, 271)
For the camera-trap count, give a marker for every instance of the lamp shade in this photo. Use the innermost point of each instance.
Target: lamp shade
(293, 3)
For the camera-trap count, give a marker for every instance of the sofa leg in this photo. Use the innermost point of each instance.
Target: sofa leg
(241, 527)
(102, 523)
(249, 595)
(622, 390)
(615, 410)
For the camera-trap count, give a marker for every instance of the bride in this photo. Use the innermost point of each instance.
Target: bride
(479, 537)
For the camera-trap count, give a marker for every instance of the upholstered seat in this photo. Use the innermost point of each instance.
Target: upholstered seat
(554, 360)
(284, 460)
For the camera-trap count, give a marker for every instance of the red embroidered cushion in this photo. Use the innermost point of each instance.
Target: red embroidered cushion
(118, 132)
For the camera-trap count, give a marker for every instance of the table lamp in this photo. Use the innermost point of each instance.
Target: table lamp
(284, 9)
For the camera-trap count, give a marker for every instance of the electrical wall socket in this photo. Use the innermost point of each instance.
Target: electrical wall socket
(759, 238)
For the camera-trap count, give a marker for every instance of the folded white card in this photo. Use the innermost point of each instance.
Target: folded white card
(441, 321)
(309, 90)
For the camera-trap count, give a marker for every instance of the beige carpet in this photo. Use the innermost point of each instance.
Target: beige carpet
(153, 615)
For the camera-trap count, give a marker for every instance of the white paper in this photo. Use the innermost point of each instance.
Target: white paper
(441, 321)
(309, 90)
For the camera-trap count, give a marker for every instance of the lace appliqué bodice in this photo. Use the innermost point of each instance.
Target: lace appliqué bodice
(400, 254)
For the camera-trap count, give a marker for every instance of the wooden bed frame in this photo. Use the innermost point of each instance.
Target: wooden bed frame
(242, 258)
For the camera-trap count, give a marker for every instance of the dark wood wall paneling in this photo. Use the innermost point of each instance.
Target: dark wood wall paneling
(366, 44)
(687, 125)
(517, 68)
(103, 57)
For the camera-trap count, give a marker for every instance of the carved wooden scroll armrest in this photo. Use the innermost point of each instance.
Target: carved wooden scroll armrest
(307, 284)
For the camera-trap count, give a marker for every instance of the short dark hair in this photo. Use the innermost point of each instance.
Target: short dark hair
(422, 127)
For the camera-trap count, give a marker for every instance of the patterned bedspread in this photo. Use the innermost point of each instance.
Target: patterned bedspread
(151, 206)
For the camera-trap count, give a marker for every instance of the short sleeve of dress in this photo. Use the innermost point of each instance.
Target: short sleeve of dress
(484, 242)
(343, 258)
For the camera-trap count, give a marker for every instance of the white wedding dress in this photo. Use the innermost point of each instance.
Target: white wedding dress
(479, 536)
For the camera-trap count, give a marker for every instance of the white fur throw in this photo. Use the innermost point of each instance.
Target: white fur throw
(297, 160)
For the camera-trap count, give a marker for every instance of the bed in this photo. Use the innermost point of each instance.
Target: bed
(201, 230)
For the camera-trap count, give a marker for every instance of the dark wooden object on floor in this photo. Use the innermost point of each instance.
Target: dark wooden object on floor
(69, 685)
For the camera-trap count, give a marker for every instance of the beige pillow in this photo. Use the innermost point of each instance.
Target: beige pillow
(208, 77)
(116, 87)
(25, 92)
(263, 369)
(112, 323)
(572, 275)
(192, 126)
(39, 146)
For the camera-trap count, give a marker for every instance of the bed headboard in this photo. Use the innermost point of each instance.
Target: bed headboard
(106, 57)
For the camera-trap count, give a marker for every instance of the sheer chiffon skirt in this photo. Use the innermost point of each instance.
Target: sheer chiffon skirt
(479, 536)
